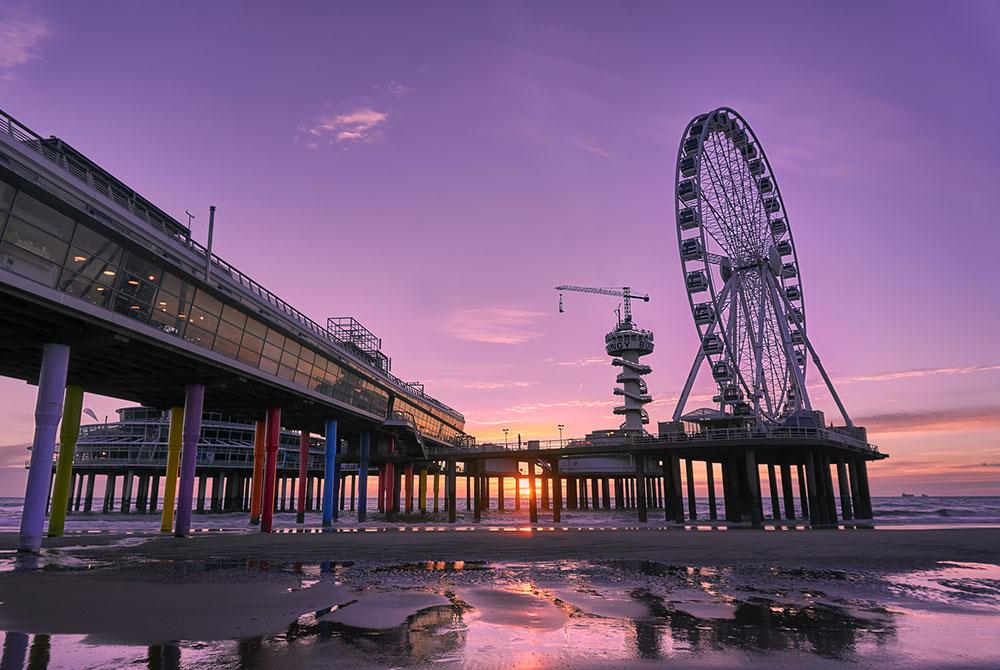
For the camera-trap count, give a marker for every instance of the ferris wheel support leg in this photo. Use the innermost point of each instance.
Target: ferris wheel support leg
(819, 366)
(786, 340)
(699, 357)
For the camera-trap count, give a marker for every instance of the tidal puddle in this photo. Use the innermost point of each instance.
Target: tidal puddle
(570, 614)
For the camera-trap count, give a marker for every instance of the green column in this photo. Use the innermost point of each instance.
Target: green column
(68, 434)
(173, 462)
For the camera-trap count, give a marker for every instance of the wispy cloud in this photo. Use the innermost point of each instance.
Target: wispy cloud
(21, 36)
(917, 373)
(491, 386)
(977, 418)
(593, 149)
(494, 325)
(361, 126)
(395, 89)
(583, 362)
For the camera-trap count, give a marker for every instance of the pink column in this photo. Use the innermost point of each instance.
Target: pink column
(270, 467)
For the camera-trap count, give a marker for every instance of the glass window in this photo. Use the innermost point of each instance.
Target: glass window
(131, 307)
(229, 332)
(286, 372)
(134, 288)
(168, 315)
(90, 243)
(234, 316)
(227, 348)
(248, 353)
(207, 303)
(41, 215)
(275, 338)
(96, 291)
(6, 195)
(193, 333)
(90, 265)
(268, 365)
(292, 347)
(272, 352)
(204, 320)
(289, 360)
(256, 328)
(31, 253)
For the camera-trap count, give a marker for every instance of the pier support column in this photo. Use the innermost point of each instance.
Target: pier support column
(451, 483)
(689, 474)
(595, 493)
(773, 483)
(366, 445)
(300, 507)
(48, 410)
(713, 510)
(532, 494)
(676, 504)
(800, 470)
(556, 491)
(408, 488)
(331, 474)
(605, 493)
(815, 504)
(110, 484)
(194, 401)
(69, 431)
(272, 438)
(257, 478)
(140, 496)
(126, 502)
(640, 487)
(786, 490)
(571, 502)
(422, 490)
(477, 493)
(545, 491)
(846, 510)
(396, 490)
(154, 492)
(437, 479)
(88, 498)
(865, 491)
(753, 489)
(500, 492)
(827, 481)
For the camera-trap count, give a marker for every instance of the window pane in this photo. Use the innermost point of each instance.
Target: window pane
(95, 291)
(292, 347)
(199, 336)
(268, 365)
(85, 263)
(229, 332)
(129, 306)
(275, 338)
(6, 195)
(135, 288)
(289, 360)
(248, 355)
(208, 303)
(204, 320)
(29, 238)
(286, 372)
(91, 243)
(225, 347)
(272, 352)
(302, 378)
(234, 316)
(43, 216)
(256, 328)
(166, 313)
(252, 343)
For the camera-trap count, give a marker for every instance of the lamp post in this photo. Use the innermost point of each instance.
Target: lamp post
(505, 431)
(560, 427)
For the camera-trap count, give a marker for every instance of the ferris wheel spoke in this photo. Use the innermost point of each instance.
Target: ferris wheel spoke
(716, 181)
(738, 186)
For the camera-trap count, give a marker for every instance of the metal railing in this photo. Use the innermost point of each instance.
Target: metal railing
(652, 441)
(141, 209)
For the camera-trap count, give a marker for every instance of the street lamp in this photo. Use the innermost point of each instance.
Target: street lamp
(560, 427)
(505, 431)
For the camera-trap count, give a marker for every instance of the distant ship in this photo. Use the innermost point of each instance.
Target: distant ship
(908, 495)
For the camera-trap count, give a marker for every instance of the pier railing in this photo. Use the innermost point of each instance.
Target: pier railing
(672, 439)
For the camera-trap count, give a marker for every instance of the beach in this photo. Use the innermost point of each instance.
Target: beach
(417, 595)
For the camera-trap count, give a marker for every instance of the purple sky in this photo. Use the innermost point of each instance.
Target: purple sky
(434, 169)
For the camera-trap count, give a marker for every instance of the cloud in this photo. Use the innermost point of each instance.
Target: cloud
(21, 36)
(582, 362)
(494, 325)
(528, 408)
(396, 90)
(363, 126)
(916, 373)
(590, 148)
(490, 386)
(938, 420)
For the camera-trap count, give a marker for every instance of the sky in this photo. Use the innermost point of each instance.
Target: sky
(435, 169)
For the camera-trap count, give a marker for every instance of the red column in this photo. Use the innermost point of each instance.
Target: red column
(300, 508)
(270, 467)
(257, 479)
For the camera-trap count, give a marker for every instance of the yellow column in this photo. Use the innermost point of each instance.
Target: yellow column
(68, 434)
(423, 490)
(174, 438)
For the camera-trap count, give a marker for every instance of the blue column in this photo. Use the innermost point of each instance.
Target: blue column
(331, 474)
(194, 401)
(366, 443)
(48, 411)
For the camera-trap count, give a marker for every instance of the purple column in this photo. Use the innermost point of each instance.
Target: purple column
(194, 399)
(48, 410)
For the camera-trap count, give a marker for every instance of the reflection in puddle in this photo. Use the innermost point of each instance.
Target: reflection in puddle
(578, 612)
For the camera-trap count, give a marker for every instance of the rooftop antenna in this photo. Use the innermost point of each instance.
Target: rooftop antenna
(208, 251)
(190, 221)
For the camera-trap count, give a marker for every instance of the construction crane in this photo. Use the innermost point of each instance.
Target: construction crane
(625, 292)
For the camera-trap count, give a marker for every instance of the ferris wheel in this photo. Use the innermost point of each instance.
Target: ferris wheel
(741, 272)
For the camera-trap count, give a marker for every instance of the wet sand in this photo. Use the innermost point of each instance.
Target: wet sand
(481, 584)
